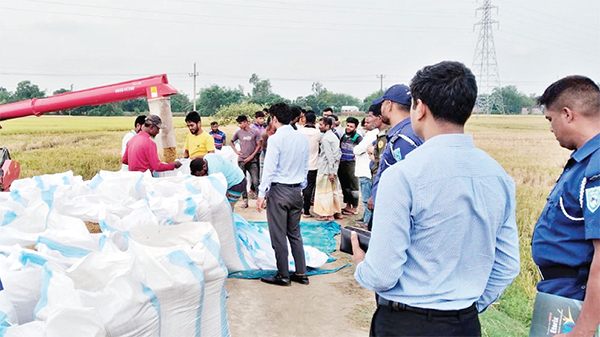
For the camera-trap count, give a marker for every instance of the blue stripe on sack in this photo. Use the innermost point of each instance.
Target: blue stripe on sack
(190, 188)
(97, 180)
(106, 228)
(216, 183)
(181, 259)
(224, 321)
(32, 257)
(101, 242)
(4, 320)
(16, 197)
(46, 276)
(64, 250)
(155, 304)
(214, 249)
(139, 182)
(235, 218)
(66, 180)
(191, 208)
(39, 182)
(9, 217)
(48, 196)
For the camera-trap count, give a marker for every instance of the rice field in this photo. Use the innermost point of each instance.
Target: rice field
(523, 145)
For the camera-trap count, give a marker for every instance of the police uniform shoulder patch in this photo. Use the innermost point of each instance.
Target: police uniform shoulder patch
(592, 198)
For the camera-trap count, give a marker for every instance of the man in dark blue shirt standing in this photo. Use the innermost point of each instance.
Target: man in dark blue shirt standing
(566, 238)
(401, 139)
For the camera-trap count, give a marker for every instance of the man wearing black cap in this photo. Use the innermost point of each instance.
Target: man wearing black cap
(141, 153)
(401, 139)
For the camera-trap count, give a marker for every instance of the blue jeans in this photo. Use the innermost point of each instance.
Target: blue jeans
(365, 189)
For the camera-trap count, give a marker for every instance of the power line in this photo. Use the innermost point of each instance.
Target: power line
(331, 24)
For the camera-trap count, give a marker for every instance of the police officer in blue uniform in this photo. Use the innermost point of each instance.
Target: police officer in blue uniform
(401, 139)
(566, 238)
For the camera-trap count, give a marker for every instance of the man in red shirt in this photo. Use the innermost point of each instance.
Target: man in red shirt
(141, 153)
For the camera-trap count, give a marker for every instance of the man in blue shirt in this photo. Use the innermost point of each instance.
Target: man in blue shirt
(566, 238)
(444, 243)
(284, 177)
(401, 139)
(213, 163)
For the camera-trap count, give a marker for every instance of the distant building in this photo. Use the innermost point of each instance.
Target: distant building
(532, 111)
(349, 108)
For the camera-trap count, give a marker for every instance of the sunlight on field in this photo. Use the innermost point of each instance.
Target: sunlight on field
(523, 145)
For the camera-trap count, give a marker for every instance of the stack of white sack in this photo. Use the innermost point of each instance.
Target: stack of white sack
(137, 278)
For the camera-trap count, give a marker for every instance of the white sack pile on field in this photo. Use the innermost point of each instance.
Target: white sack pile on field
(157, 268)
(140, 277)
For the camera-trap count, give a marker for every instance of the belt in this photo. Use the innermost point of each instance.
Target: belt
(561, 271)
(286, 185)
(395, 306)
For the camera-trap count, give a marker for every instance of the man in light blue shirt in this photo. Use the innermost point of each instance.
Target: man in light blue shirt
(444, 243)
(284, 176)
(213, 163)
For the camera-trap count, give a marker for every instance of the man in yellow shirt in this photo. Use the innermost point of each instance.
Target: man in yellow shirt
(198, 143)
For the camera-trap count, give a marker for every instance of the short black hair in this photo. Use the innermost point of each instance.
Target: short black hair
(310, 117)
(296, 111)
(141, 119)
(353, 121)
(259, 114)
(214, 123)
(192, 116)
(327, 121)
(376, 109)
(575, 92)
(334, 116)
(241, 118)
(448, 88)
(328, 109)
(282, 111)
(196, 165)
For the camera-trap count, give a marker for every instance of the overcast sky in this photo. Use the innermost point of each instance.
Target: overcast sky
(344, 44)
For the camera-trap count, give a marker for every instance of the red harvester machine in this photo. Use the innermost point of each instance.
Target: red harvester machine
(153, 88)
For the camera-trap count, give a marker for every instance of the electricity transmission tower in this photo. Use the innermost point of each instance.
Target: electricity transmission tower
(380, 77)
(485, 65)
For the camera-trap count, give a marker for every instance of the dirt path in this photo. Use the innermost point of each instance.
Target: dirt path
(333, 304)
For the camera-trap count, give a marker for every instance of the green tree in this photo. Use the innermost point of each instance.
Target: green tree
(135, 105)
(262, 93)
(25, 90)
(4, 95)
(338, 100)
(513, 99)
(60, 91)
(214, 97)
(180, 103)
(366, 103)
(227, 114)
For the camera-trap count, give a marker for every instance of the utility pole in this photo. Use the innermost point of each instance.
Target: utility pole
(485, 65)
(194, 75)
(380, 77)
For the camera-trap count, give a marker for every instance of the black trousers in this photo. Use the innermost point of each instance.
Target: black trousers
(309, 192)
(387, 322)
(253, 167)
(284, 205)
(349, 182)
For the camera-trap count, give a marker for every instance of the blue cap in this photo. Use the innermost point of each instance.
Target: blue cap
(398, 93)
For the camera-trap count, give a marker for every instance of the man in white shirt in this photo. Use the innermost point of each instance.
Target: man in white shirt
(362, 169)
(137, 127)
(314, 140)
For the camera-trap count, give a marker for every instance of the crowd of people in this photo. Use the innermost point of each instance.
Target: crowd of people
(444, 242)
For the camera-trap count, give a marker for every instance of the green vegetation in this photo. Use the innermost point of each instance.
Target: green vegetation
(523, 145)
